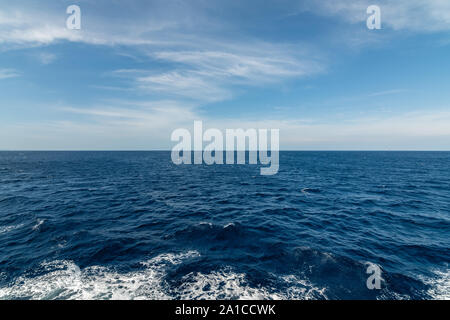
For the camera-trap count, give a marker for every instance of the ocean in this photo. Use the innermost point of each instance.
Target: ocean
(132, 225)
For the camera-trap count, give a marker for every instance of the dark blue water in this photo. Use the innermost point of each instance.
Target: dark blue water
(131, 225)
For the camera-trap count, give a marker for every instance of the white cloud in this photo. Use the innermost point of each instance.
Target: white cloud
(157, 22)
(408, 131)
(184, 85)
(265, 64)
(146, 126)
(412, 15)
(117, 125)
(46, 58)
(19, 27)
(387, 92)
(8, 73)
(157, 114)
(161, 23)
(202, 66)
(208, 75)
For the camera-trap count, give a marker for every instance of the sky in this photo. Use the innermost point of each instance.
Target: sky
(137, 70)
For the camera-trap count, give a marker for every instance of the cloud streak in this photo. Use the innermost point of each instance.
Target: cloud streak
(46, 58)
(8, 73)
(117, 128)
(411, 15)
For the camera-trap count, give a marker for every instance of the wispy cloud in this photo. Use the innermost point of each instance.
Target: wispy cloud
(268, 63)
(116, 128)
(387, 92)
(184, 85)
(154, 22)
(19, 27)
(412, 15)
(208, 75)
(184, 55)
(46, 58)
(167, 22)
(156, 114)
(8, 73)
(200, 65)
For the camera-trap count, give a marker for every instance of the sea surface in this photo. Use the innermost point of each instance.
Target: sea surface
(132, 225)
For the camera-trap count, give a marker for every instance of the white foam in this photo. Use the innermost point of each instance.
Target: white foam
(5, 229)
(302, 289)
(226, 284)
(439, 285)
(206, 223)
(39, 223)
(65, 280)
(223, 284)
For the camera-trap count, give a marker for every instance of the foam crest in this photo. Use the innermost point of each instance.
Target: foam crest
(6, 229)
(226, 284)
(38, 224)
(65, 280)
(302, 289)
(439, 285)
(223, 284)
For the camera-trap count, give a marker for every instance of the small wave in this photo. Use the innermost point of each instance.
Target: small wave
(6, 229)
(170, 258)
(206, 223)
(439, 285)
(14, 199)
(38, 224)
(310, 190)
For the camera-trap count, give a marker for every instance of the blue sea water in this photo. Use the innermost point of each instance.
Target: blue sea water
(132, 225)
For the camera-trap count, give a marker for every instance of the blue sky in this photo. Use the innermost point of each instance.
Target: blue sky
(137, 70)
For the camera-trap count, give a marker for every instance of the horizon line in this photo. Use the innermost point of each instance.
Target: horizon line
(287, 150)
